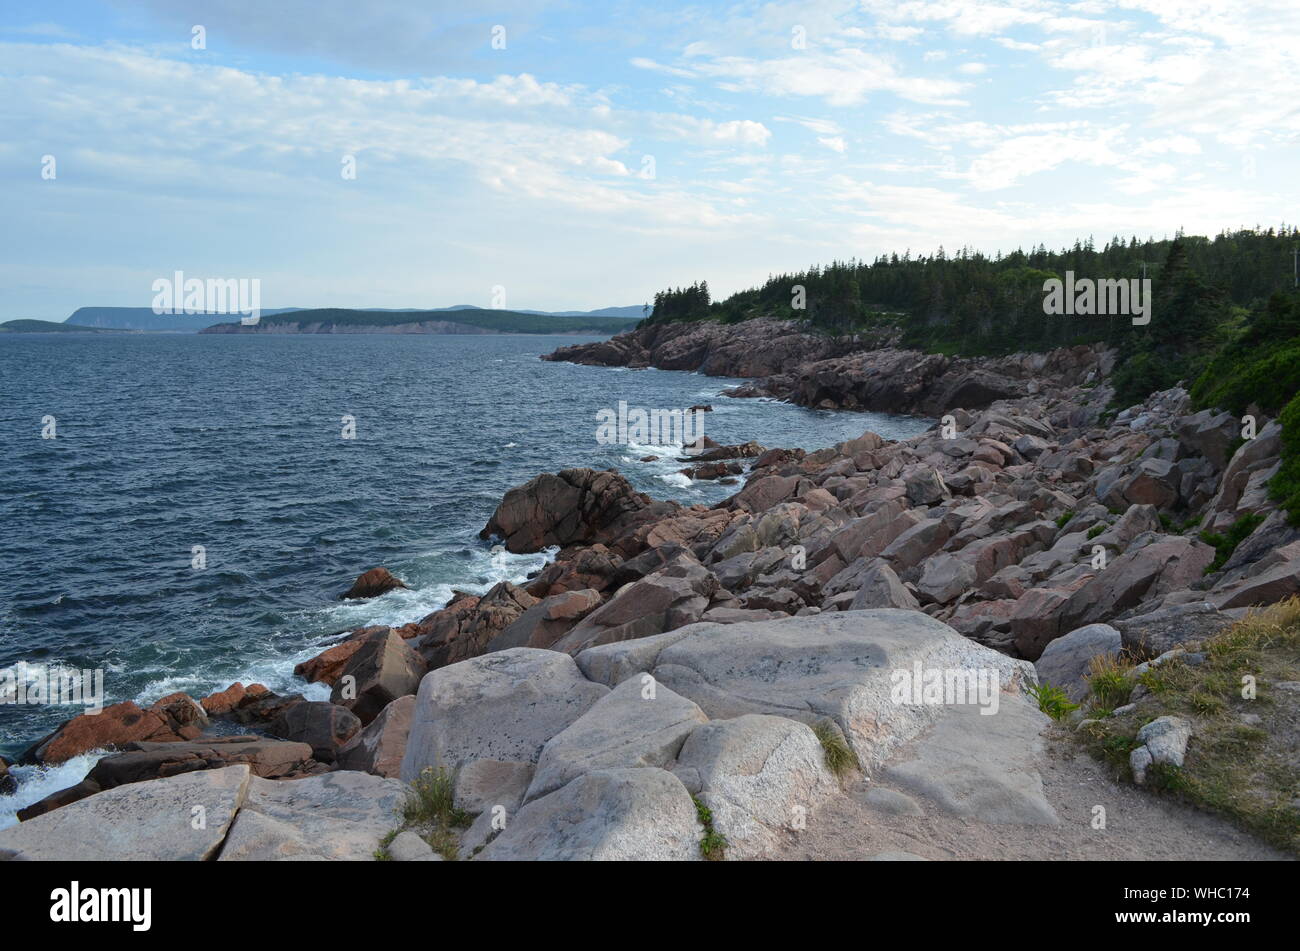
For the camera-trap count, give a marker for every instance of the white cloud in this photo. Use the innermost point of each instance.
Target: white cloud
(843, 77)
(708, 132)
(165, 127)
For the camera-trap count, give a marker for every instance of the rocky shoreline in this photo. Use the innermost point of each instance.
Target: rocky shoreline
(674, 661)
(809, 369)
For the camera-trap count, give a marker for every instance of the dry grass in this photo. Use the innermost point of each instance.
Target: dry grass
(840, 758)
(1109, 680)
(1243, 761)
(431, 811)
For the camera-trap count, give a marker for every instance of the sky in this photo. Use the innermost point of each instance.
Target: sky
(562, 155)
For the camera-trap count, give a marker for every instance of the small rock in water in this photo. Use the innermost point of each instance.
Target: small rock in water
(372, 584)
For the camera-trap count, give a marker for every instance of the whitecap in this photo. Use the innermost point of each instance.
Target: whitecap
(37, 782)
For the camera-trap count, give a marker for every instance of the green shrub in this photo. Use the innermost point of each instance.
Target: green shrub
(713, 845)
(1145, 373)
(1225, 544)
(431, 799)
(1285, 485)
(1267, 381)
(1051, 700)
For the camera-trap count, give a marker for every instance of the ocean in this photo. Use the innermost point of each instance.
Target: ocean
(235, 444)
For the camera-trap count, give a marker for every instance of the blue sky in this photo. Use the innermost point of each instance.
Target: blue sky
(779, 134)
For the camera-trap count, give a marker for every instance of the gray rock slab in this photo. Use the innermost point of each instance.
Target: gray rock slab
(176, 819)
(502, 706)
(633, 814)
(338, 816)
(981, 766)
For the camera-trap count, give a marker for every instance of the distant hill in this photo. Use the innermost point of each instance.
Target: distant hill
(467, 320)
(29, 326)
(632, 312)
(143, 318)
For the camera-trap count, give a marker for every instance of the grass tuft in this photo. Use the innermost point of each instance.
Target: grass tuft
(1108, 680)
(1053, 701)
(430, 809)
(1240, 762)
(840, 758)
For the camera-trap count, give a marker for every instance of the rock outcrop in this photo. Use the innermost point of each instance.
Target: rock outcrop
(611, 749)
(838, 373)
(340, 816)
(112, 727)
(576, 506)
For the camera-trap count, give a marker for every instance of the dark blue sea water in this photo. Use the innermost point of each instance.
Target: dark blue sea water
(233, 443)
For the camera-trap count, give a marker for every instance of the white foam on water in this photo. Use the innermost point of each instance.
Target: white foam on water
(649, 449)
(37, 782)
(273, 667)
(484, 569)
(677, 479)
(404, 605)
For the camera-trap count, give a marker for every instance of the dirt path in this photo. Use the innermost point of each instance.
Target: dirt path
(1139, 826)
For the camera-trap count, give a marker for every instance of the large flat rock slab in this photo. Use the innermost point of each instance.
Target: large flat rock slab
(631, 814)
(177, 819)
(502, 706)
(841, 666)
(339, 816)
(639, 723)
(981, 766)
